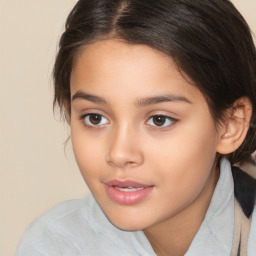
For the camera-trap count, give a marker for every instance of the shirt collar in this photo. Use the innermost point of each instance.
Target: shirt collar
(215, 235)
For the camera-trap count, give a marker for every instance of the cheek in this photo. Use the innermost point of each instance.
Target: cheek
(185, 157)
(188, 145)
(87, 150)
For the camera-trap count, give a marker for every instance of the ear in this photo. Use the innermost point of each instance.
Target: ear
(234, 129)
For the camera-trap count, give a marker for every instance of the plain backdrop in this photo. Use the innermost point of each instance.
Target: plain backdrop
(36, 172)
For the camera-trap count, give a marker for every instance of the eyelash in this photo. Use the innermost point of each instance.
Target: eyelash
(97, 126)
(166, 118)
(84, 117)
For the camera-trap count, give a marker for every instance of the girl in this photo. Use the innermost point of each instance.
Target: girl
(161, 100)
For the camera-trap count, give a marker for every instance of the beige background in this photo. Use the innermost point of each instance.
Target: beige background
(35, 173)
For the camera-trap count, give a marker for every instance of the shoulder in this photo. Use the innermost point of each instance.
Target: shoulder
(251, 249)
(245, 190)
(55, 230)
(245, 193)
(64, 214)
(79, 227)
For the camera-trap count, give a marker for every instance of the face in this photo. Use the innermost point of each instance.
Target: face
(142, 135)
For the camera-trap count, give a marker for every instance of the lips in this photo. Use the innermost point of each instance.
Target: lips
(127, 192)
(129, 189)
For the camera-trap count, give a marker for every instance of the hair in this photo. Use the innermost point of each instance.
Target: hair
(209, 41)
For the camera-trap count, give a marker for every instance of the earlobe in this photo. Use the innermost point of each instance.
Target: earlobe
(233, 132)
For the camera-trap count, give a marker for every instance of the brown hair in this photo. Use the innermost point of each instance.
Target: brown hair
(209, 40)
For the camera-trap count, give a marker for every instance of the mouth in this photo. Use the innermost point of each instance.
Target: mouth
(127, 192)
(129, 189)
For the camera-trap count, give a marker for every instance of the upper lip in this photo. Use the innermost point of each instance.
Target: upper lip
(125, 184)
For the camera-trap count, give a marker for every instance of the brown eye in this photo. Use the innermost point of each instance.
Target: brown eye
(159, 120)
(94, 120)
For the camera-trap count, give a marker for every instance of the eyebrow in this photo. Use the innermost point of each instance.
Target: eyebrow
(140, 102)
(162, 98)
(89, 97)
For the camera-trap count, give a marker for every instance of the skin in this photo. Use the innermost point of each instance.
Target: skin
(178, 158)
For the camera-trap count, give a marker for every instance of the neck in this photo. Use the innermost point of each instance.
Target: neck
(174, 236)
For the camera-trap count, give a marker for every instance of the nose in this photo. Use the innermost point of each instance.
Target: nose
(124, 148)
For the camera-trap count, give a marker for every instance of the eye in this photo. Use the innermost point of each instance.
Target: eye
(94, 119)
(160, 121)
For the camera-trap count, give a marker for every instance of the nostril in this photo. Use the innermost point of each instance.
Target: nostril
(131, 163)
(122, 162)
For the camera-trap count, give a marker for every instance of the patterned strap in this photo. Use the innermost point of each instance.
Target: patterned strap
(241, 232)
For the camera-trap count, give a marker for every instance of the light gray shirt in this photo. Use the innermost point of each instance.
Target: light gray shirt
(80, 228)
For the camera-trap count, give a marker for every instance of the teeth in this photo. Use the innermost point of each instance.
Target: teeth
(129, 189)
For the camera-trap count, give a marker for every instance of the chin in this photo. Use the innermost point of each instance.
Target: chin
(128, 224)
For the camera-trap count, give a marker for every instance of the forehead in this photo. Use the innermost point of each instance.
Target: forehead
(113, 66)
